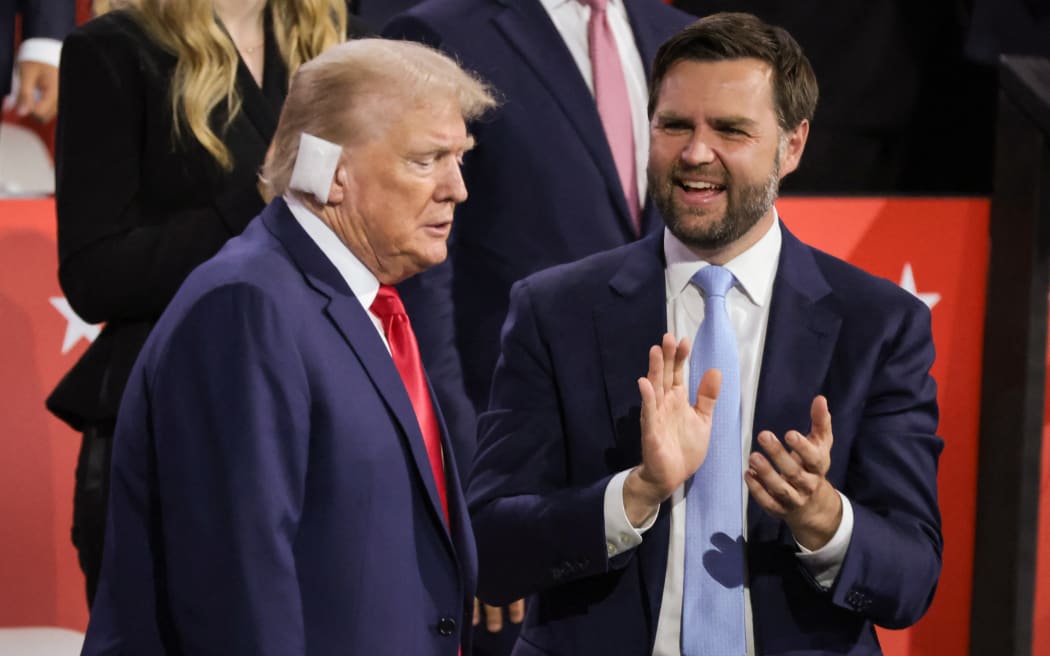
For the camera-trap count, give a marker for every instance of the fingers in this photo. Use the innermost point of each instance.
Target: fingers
(46, 106)
(477, 611)
(37, 79)
(669, 351)
(793, 476)
(821, 418)
(812, 456)
(758, 492)
(24, 99)
(656, 373)
(681, 355)
(493, 618)
(770, 489)
(516, 611)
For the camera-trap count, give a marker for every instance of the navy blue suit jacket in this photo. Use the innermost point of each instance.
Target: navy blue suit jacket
(52, 19)
(271, 493)
(542, 181)
(564, 419)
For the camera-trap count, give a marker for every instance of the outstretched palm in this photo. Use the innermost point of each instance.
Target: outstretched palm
(675, 433)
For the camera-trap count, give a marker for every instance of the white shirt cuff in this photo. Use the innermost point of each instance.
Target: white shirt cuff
(46, 51)
(824, 563)
(620, 535)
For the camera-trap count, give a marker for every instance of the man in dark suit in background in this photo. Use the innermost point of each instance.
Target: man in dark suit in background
(545, 187)
(554, 178)
(44, 24)
(721, 529)
(282, 479)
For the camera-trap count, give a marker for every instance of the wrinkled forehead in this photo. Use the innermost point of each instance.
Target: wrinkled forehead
(742, 85)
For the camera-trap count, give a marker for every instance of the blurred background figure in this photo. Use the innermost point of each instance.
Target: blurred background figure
(44, 23)
(378, 12)
(33, 29)
(166, 113)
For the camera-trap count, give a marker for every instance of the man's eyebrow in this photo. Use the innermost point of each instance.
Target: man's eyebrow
(671, 117)
(733, 122)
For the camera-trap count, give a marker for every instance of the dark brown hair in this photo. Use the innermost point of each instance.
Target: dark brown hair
(729, 35)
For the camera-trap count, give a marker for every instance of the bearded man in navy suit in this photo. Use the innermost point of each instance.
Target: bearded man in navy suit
(282, 479)
(590, 453)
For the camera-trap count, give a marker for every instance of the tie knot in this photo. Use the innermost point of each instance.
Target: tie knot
(595, 5)
(387, 303)
(714, 280)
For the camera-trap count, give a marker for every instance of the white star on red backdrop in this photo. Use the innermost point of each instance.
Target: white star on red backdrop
(908, 284)
(76, 328)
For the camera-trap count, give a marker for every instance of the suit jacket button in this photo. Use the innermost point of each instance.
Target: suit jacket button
(446, 626)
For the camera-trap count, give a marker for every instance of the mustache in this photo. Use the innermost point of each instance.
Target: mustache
(706, 170)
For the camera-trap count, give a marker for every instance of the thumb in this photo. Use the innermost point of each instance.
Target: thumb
(707, 393)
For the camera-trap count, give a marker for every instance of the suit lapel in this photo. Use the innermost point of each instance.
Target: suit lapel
(459, 528)
(647, 40)
(632, 320)
(351, 320)
(527, 27)
(800, 339)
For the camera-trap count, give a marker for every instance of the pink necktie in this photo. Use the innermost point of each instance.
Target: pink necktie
(614, 106)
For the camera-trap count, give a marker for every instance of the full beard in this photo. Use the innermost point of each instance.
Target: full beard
(746, 205)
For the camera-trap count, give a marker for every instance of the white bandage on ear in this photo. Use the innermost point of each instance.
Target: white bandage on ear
(315, 166)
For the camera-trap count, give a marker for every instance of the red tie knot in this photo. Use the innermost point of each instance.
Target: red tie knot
(387, 303)
(595, 5)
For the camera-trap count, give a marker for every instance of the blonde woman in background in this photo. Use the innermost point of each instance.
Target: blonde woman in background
(166, 112)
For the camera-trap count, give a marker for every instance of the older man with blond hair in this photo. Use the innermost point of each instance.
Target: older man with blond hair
(282, 479)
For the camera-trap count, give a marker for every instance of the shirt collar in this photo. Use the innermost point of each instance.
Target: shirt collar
(754, 269)
(361, 281)
(554, 5)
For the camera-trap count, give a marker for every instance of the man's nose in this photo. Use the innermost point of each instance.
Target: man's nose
(452, 187)
(697, 151)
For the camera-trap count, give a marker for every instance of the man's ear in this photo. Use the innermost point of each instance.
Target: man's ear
(794, 144)
(338, 191)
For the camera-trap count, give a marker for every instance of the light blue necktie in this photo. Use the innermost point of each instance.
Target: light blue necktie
(713, 587)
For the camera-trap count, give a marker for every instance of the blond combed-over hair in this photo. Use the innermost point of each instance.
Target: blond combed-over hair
(343, 95)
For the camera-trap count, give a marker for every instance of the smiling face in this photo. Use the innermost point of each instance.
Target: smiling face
(396, 191)
(717, 154)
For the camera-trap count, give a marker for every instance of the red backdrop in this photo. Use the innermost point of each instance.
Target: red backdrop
(938, 248)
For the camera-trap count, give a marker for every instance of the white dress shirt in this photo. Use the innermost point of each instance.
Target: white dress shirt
(363, 284)
(570, 18)
(748, 306)
(41, 49)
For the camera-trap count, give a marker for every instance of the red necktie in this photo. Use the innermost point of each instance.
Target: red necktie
(614, 105)
(405, 351)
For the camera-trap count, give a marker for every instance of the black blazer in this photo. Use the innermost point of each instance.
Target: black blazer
(51, 19)
(137, 208)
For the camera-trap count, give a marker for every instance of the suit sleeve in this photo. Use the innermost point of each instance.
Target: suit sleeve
(534, 528)
(231, 418)
(116, 262)
(48, 19)
(894, 559)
